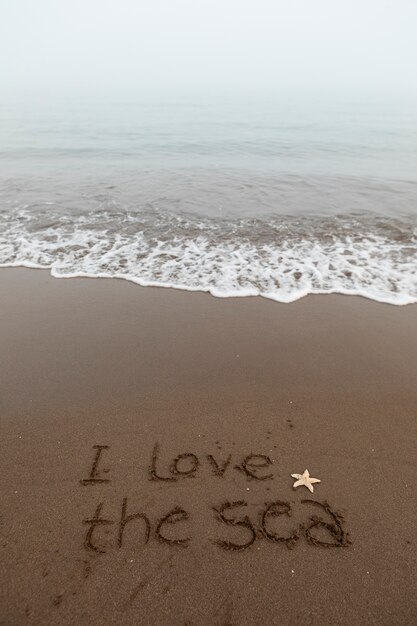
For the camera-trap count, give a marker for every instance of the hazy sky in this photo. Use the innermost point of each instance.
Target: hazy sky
(168, 45)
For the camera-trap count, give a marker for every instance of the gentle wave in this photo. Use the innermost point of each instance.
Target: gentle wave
(280, 257)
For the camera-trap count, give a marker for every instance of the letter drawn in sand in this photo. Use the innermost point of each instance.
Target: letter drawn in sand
(176, 515)
(152, 468)
(232, 521)
(275, 509)
(340, 537)
(125, 519)
(219, 468)
(94, 477)
(185, 465)
(254, 462)
(93, 523)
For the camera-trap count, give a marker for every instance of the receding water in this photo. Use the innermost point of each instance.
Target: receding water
(276, 198)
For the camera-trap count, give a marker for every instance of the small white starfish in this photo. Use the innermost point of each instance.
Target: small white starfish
(304, 479)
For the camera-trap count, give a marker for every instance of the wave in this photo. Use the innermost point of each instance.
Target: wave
(279, 257)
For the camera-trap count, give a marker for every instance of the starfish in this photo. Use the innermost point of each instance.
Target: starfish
(304, 479)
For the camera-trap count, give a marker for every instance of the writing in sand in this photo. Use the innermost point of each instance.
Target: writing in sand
(324, 527)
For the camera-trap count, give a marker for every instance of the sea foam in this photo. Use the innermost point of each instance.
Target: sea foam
(279, 257)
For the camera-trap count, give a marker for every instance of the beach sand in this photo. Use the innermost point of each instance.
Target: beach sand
(328, 383)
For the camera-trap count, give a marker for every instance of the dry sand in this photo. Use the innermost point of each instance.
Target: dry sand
(327, 383)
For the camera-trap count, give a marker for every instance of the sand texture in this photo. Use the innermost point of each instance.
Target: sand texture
(147, 442)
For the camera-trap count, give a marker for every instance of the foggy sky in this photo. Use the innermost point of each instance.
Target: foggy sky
(168, 45)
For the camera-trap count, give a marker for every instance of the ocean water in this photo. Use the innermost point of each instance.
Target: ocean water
(273, 197)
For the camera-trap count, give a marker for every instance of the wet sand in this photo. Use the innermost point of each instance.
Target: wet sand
(238, 394)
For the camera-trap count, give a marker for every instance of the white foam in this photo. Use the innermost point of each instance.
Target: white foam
(277, 259)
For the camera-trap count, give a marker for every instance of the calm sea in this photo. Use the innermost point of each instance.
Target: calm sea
(245, 197)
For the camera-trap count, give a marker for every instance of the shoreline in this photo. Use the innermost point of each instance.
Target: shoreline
(215, 293)
(238, 394)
